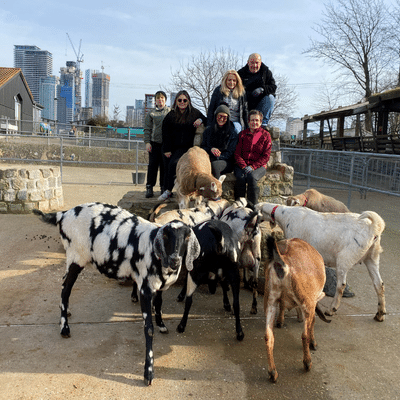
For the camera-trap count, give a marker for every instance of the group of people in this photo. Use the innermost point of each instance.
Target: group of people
(235, 135)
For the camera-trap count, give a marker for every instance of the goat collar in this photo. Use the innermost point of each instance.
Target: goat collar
(305, 201)
(273, 214)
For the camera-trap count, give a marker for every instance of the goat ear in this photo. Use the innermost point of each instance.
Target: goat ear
(159, 249)
(222, 178)
(193, 250)
(213, 186)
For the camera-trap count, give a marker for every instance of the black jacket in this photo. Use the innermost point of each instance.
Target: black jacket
(263, 78)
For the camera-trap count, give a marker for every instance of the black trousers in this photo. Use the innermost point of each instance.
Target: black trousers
(170, 168)
(155, 162)
(250, 181)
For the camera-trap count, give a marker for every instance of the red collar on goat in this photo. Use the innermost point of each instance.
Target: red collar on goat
(305, 201)
(273, 214)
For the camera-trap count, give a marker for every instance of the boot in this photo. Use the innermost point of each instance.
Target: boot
(149, 191)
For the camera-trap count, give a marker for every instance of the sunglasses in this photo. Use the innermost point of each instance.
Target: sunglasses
(222, 117)
(182, 100)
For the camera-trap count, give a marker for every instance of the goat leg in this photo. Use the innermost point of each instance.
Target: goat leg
(145, 303)
(157, 312)
(69, 280)
(234, 279)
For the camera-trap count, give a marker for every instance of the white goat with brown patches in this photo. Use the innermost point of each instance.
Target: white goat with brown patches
(294, 277)
(343, 240)
(194, 178)
(317, 201)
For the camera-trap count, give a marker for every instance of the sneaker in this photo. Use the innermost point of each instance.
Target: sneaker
(149, 191)
(165, 196)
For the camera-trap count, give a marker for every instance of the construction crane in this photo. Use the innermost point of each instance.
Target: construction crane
(79, 56)
(78, 77)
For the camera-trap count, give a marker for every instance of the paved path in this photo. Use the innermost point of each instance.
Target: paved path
(357, 357)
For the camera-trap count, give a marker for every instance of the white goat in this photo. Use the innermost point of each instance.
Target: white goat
(343, 240)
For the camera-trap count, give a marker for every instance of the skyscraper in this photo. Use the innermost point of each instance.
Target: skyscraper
(66, 93)
(35, 64)
(48, 96)
(97, 92)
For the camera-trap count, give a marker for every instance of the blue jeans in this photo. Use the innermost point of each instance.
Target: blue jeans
(266, 106)
(238, 127)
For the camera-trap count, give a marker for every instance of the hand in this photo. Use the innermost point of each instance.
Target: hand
(197, 123)
(257, 92)
(148, 147)
(168, 155)
(247, 169)
(215, 151)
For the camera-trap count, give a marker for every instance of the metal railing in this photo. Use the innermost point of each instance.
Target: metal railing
(354, 171)
(62, 145)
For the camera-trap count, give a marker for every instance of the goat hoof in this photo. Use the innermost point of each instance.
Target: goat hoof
(253, 310)
(134, 299)
(273, 375)
(227, 307)
(180, 298)
(148, 382)
(163, 329)
(329, 313)
(313, 346)
(307, 365)
(379, 316)
(180, 328)
(240, 336)
(65, 332)
(279, 325)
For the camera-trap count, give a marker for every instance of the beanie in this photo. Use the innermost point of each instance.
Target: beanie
(222, 109)
(162, 94)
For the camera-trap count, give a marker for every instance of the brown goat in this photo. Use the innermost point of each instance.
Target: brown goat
(194, 178)
(317, 201)
(294, 277)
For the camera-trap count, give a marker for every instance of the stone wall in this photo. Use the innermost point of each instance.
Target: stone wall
(22, 190)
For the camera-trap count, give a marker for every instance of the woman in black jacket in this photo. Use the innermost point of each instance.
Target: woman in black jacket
(219, 141)
(178, 131)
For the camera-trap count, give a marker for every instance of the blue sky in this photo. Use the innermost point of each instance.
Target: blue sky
(140, 43)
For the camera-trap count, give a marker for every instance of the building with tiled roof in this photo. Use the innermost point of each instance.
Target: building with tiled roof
(18, 108)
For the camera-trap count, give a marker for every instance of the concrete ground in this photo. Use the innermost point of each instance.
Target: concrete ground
(357, 358)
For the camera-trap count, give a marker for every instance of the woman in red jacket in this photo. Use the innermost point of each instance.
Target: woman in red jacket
(251, 156)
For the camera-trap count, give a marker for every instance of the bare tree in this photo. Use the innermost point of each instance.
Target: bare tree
(355, 40)
(285, 100)
(203, 72)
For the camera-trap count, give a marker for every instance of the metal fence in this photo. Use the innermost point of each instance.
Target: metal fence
(354, 171)
(63, 148)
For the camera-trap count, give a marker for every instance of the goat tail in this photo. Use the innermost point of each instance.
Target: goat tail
(321, 314)
(153, 213)
(376, 220)
(50, 218)
(274, 257)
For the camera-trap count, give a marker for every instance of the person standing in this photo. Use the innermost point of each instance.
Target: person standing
(260, 86)
(178, 131)
(232, 93)
(153, 141)
(251, 156)
(219, 141)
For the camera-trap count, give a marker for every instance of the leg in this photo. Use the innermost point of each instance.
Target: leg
(373, 269)
(306, 338)
(191, 287)
(266, 106)
(270, 312)
(145, 303)
(69, 280)
(234, 279)
(240, 184)
(157, 312)
(134, 294)
(225, 290)
(253, 191)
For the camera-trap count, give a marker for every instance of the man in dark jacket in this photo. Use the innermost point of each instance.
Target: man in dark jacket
(260, 86)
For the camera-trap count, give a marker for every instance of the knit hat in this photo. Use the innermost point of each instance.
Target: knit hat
(222, 109)
(162, 94)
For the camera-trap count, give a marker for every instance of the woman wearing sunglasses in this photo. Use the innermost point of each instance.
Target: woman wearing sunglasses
(220, 140)
(178, 131)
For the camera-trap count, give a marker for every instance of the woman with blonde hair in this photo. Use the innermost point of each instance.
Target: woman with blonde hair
(230, 92)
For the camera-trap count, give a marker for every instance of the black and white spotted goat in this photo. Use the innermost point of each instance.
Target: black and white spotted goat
(122, 245)
(244, 221)
(218, 261)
